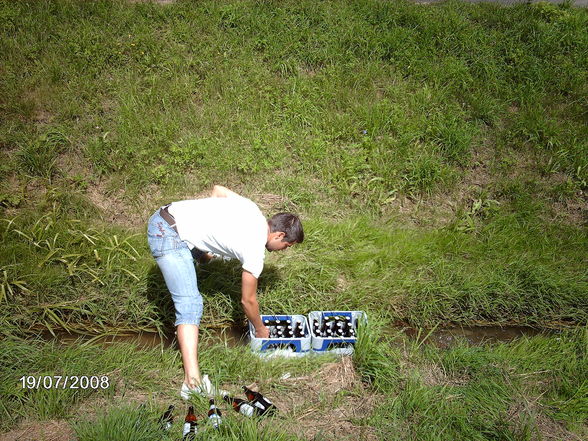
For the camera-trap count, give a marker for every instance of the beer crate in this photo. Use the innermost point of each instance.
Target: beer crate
(285, 346)
(335, 344)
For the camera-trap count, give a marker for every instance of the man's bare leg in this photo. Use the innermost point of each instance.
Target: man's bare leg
(188, 341)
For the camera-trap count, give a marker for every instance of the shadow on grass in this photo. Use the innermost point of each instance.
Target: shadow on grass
(220, 285)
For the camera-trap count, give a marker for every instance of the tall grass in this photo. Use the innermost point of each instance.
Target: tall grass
(134, 374)
(58, 274)
(511, 391)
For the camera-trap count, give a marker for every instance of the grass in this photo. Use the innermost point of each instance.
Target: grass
(436, 153)
(415, 88)
(526, 389)
(510, 391)
(131, 424)
(59, 274)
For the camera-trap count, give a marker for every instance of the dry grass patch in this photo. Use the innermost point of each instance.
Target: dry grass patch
(116, 208)
(329, 404)
(546, 428)
(431, 374)
(52, 430)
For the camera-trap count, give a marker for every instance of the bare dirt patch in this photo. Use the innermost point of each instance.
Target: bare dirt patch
(52, 430)
(117, 209)
(271, 203)
(72, 164)
(547, 428)
(342, 284)
(329, 404)
(573, 212)
(42, 116)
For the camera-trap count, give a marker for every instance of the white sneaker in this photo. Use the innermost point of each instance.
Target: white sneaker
(205, 388)
(186, 392)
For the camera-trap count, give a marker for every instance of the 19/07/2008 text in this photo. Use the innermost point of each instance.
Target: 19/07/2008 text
(65, 382)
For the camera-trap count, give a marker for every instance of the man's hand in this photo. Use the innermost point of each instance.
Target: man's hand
(262, 332)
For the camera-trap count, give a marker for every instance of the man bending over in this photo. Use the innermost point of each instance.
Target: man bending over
(225, 224)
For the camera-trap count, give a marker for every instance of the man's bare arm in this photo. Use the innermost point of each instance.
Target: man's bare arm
(250, 305)
(218, 191)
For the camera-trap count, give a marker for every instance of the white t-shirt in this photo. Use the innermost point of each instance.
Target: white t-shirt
(233, 227)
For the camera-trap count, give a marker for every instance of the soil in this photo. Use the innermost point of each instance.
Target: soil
(117, 210)
(480, 177)
(547, 428)
(331, 404)
(52, 430)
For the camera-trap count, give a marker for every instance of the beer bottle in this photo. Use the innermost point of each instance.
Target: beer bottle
(166, 420)
(260, 401)
(346, 330)
(214, 414)
(240, 405)
(333, 326)
(190, 426)
(323, 328)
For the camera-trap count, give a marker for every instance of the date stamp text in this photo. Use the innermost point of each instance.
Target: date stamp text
(65, 381)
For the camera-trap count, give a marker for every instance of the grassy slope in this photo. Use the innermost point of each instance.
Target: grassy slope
(346, 112)
(339, 111)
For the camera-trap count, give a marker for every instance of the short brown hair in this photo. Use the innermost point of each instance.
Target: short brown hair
(288, 223)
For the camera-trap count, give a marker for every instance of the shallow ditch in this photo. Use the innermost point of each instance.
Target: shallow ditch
(233, 336)
(473, 335)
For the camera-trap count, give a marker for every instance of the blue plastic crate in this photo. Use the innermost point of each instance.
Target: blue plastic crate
(287, 346)
(337, 344)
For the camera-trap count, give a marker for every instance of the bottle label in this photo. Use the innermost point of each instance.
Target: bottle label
(246, 410)
(215, 420)
(259, 405)
(189, 428)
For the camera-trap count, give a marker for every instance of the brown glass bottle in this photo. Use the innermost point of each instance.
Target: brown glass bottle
(214, 414)
(166, 420)
(241, 406)
(190, 425)
(260, 402)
